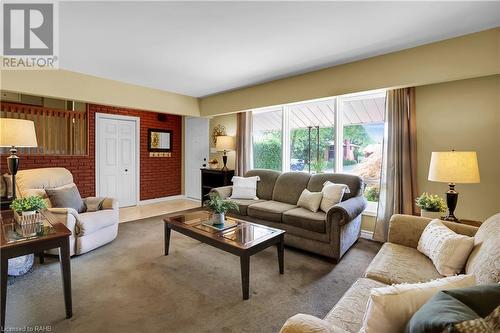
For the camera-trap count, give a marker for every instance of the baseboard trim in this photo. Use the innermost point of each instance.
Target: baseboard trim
(157, 200)
(367, 234)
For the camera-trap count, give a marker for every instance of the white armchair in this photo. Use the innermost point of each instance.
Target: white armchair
(89, 229)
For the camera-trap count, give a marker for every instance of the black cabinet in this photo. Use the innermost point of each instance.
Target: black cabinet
(211, 178)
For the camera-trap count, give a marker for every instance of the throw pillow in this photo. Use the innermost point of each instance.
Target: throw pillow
(447, 250)
(66, 197)
(244, 188)
(310, 200)
(93, 204)
(390, 308)
(450, 307)
(332, 194)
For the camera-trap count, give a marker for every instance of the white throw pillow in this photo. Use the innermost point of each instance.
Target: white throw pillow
(390, 308)
(332, 194)
(448, 250)
(310, 200)
(244, 188)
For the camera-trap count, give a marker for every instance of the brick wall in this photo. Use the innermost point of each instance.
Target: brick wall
(159, 176)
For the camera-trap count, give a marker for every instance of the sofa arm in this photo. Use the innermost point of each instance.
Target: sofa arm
(407, 229)
(348, 210)
(224, 192)
(66, 216)
(303, 323)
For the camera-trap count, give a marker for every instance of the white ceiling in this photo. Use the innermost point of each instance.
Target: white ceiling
(201, 48)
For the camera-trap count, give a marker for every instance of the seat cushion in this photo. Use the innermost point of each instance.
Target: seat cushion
(349, 311)
(305, 219)
(88, 223)
(269, 210)
(396, 263)
(243, 205)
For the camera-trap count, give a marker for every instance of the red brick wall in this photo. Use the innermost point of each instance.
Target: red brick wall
(159, 176)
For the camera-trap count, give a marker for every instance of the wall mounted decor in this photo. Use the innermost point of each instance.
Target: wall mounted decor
(218, 131)
(159, 140)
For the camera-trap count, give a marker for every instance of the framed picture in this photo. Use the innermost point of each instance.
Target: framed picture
(159, 140)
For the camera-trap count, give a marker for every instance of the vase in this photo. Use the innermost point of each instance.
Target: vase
(219, 218)
(429, 214)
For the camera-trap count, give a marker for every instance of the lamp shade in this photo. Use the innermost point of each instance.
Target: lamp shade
(225, 142)
(17, 132)
(454, 167)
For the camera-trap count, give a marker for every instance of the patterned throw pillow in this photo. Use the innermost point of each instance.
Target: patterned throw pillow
(447, 250)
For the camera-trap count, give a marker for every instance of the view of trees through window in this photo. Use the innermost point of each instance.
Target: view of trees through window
(306, 140)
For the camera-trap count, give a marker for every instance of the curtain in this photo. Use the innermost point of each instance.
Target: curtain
(398, 181)
(243, 142)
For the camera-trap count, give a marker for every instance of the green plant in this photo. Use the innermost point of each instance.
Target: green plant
(27, 204)
(318, 165)
(218, 205)
(349, 162)
(431, 202)
(372, 193)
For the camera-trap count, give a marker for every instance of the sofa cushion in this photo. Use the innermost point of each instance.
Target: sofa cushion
(90, 222)
(305, 219)
(349, 311)
(265, 186)
(354, 183)
(269, 210)
(484, 260)
(243, 205)
(396, 263)
(289, 186)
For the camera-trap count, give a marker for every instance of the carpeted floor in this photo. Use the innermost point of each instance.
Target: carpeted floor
(129, 286)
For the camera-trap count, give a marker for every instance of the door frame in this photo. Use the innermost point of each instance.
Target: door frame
(186, 143)
(137, 121)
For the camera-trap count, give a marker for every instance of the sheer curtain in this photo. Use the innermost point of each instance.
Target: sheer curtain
(243, 142)
(398, 181)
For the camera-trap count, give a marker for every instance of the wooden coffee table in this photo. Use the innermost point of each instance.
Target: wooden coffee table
(243, 240)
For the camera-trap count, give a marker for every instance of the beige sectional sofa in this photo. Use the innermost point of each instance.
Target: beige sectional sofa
(398, 261)
(329, 234)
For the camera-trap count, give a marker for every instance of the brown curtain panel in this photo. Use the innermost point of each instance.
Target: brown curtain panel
(243, 142)
(398, 184)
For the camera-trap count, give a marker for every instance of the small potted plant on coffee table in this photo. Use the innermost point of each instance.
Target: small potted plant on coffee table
(219, 207)
(431, 205)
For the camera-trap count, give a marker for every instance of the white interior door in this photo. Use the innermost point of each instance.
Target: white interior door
(197, 148)
(116, 158)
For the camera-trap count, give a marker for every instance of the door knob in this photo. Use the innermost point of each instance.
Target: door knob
(126, 170)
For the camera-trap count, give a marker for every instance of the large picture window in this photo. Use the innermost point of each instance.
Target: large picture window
(303, 137)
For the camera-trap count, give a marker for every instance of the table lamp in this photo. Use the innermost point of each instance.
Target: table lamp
(225, 143)
(453, 167)
(16, 133)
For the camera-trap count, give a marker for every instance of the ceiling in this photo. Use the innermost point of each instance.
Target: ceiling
(202, 48)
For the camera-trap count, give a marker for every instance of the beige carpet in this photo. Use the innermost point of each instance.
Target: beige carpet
(129, 286)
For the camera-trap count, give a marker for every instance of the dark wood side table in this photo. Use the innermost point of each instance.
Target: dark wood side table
(54, 235)
(212, 178)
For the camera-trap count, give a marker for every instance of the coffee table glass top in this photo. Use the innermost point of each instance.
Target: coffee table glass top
(243, 232)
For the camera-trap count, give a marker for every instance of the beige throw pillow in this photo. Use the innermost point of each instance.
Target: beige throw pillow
(390, 308)
(332, 194)
(310, 200)
(447, 249)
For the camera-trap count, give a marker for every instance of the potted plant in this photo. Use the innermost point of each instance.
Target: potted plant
(27, 210)
(219, 207)
(431, 205)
